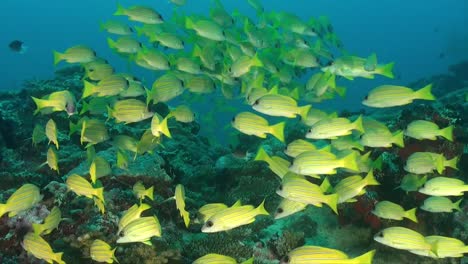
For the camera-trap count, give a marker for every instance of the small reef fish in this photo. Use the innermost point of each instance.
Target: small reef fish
(427, 162)
(444, 186)
(141, 230)
(213, 258)
(22, 199)
(422, 129)
(81, 186)
(50, 223)
(440, 204)
(39, 248)
(321, 255)
(252, 124)
(99, 168)
(75, 54)
(141, 14)
(332, 128)
(389, 210)
(141, 192)
(322, 162)
(402, 238)
(392, 95)
(56, 102)
(100, 251)
(131, 214)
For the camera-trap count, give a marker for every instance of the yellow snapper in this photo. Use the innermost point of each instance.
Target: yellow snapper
(75, 54)
(444, 186)
(352, 186)
(97, 105)
(402, 238)
(52, 159)
(142, 14)
(109, 86)
(57, 101)
(321, 255)
(185, 64)
(277, 165)
(445, 247)
(393, 95)
(412, 182)
(315, 115)
(252, 124)
(100, 251)
(51, 132)
(427, 162)
(208, 210)
(180, 203)
(322, 162)
(22, 199)
(134, 89)
(38, 135)
(346, 142)
(280, 105)
(200, 84)
(129, 111)
(39, 248)
(351, 67)
(125, 45)
(81, 186)
(382, 138)
(213, 258)
(205, 28)
(331, 128)
(288, 207)
(440, 204)
(141, 192)
(165, 88)
(389, 210)
(141, 230)
(93, 131)
(99, 168)
(50, 223)
(132, 214)
(152, 59)
(298, 146)
(422, 129)
(116, 27)
(301, 190)
(233, 217)
(183, 113)
(159, 126)
(168, 40)
(97, 70)
(243, 65)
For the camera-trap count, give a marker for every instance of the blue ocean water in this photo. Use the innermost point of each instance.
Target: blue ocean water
(421, 37)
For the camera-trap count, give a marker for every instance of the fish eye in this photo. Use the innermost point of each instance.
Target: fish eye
(209, 223)
(256, 102)
(229, 69)
(279, 210)
(330, 63)
(277, 45)
(127, 82)
(183, 43)
(131, 30)
(122, 234)
(182, 83)
(94, 53)
(233, 119)
(285, 259)
(367, 97)
(91, 70)
(224, 33)
(380, 234)
(280, 187)
(139, 44)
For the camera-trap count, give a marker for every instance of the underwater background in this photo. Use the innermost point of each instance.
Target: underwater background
(260, 132)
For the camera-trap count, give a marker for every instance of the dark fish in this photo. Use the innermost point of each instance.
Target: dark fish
(18, 46)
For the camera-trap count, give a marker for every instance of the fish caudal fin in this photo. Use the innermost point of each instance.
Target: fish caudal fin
(387, 70)
(100, 194)
(164, 128)
(262, 155)
(120, 10)
(452, 163)
(3, 209)
(456, 205)
(358, 124)
(447, 133)
(397, 139)
(88, 89)
(365, 258)
(349, 162)
(38, 228)
(303, 111)
(58, 258)
(411, 215)
(150, 193)
(278, 131)
(256, 61)
(370, 179)
(425, 93)
(58, 57)
(40, 103)
(332, 201)
(261, 209)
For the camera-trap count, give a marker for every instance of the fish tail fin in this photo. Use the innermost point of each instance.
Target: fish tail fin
(456, 205)
(150, 193)
(149, 96)
(425, 93)
(58, 57)
(377, 163)
(397, 139)
(139, 30)
(189, 23)
(278, 131)
(333, 115)
(365, 258)
(88, 89)
(144, 207)
(332, 201)
(58, 258)
(447, 133)
(120, 10)
(261, 209)
(84, 107)
(38, 228)
(111, 43)
(303, 111)
(325, 186)
(83, 129)
(295, 94)
(358, 124)
(3, 209)
(262, 155)
(370, 179)
(349, 162)
(341, 91)
(100, 194)
(411, 215)
(256, 61)
(249, 261)
(452, 163)
(387, 70)
(40, 103)
(164, 128)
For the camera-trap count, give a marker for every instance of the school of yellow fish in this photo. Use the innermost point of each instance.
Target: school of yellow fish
(260, 62)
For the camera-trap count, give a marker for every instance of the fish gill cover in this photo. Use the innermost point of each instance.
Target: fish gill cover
(99, 165)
